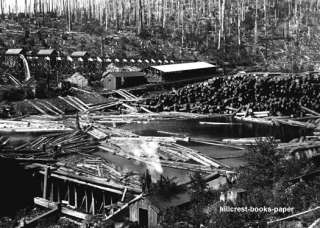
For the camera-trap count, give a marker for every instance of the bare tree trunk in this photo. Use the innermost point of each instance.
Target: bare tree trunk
(265, 18)
(140, 21)
(2, 11)
(106, 13)
(239, 23)
(220, 20)
(69, 16)
(255, 28)
(164, 8)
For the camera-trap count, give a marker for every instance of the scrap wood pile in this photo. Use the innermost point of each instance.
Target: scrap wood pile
(54, 146)
(93, 166)
(307, 147)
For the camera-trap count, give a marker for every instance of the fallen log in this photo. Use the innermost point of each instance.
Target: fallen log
(310, 111)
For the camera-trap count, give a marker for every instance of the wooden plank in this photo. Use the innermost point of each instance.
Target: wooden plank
(69, 103)
(64, 210)
(39, 103)
(81, 102)
(45, 203)
(33, 221)
(294, 215)
(124, 207)
(53, 106)
(36, 107)
(124, 194)
(315, 224)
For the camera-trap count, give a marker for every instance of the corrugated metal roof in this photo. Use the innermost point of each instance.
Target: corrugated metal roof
(183, 67)
(127, 74)
(16, 51)
(79, 54)
(46, 52)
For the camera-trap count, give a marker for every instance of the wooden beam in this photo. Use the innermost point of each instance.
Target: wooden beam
(92, 182)
(64, 210)
(124, 194)
(86, 184)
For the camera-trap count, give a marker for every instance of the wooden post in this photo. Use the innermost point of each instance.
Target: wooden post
(58, 193)
(92, 207)
(86, 200)
(75, 197)
(103, 201)
(51, 192)
(124, 194)
(68, 194)
(45, 182)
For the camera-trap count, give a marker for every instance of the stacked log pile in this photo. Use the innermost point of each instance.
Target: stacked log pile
(32, 126)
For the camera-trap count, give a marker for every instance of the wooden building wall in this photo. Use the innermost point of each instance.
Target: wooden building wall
(109, 82)
(152, 212)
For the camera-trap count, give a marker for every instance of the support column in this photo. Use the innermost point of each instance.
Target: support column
(86, 200)
(92, 207)
(58, 193)
(51, 192)
(45, 182)
(75, 196)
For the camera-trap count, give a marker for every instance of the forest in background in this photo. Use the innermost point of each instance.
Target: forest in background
(275, 34)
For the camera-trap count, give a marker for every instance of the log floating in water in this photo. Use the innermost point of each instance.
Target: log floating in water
(254, 120)
(219, 123)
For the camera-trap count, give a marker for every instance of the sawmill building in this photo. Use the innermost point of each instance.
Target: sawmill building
(183, 71)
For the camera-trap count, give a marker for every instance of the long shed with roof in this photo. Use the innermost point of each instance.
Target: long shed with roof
(183, 71)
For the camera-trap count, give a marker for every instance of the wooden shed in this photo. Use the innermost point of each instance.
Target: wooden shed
(12, 56)
(147, 211)
(51, 53)
(80, 55)
(117, 80)
(47, 59)
(15, 52)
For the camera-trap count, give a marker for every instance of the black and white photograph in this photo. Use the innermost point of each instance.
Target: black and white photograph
(160, 113)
